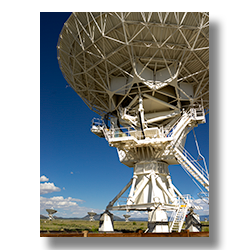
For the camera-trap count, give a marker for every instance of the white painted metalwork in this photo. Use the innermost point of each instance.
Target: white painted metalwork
(192, 221)
(147, 75)
(108, 58)
(106, 222)
(178, 218)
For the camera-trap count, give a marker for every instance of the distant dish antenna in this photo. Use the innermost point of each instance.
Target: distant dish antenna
(91, 216)
(51, 212)
(147, 76)
(126, 216)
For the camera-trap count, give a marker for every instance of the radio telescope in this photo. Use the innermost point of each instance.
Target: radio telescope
(147, 76)
(91, 215)
(51, 212)
(126, 216)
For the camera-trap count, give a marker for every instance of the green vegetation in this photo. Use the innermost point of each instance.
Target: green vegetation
(92, 226)
(205, 229)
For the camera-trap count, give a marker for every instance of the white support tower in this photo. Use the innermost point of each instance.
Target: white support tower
(147, 76)
(151, 188)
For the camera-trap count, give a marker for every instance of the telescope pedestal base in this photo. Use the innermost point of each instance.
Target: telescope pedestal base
(193, 223)
(106, 222)
(158, 221)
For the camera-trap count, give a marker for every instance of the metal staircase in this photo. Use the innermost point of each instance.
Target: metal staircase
(192, 166)
(180, 126)
(170, 139)
(196, 115)
(178, 218)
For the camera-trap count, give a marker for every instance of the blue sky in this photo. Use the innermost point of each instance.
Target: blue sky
(80, 171)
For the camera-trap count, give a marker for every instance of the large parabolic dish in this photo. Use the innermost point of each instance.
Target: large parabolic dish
(108, 58)
(147, 75)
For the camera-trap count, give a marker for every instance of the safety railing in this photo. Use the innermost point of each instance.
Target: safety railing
(189, 202)
(122, 201)
(126, 132)
(97, 122)
(182, 204)
(193, 161)
(110, 133)
(187, 198)
(193, 202)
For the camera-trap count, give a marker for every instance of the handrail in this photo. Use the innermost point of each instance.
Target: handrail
(191, 112)
(193, 161)
(125, 132)
(98, 122)
(137, 133)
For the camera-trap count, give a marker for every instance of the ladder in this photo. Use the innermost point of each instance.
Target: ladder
(179, 218)
(192, 167)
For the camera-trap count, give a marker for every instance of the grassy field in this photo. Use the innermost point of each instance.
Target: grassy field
(204, 228)
(92, 226)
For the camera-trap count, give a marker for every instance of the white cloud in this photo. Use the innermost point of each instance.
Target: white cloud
(43, 178)
(48, 187)
(204, 205)
(71, 173)
(138, 214)
(66, 207)
(57, 202)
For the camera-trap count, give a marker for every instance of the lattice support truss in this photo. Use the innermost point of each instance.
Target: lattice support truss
(108, 58)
